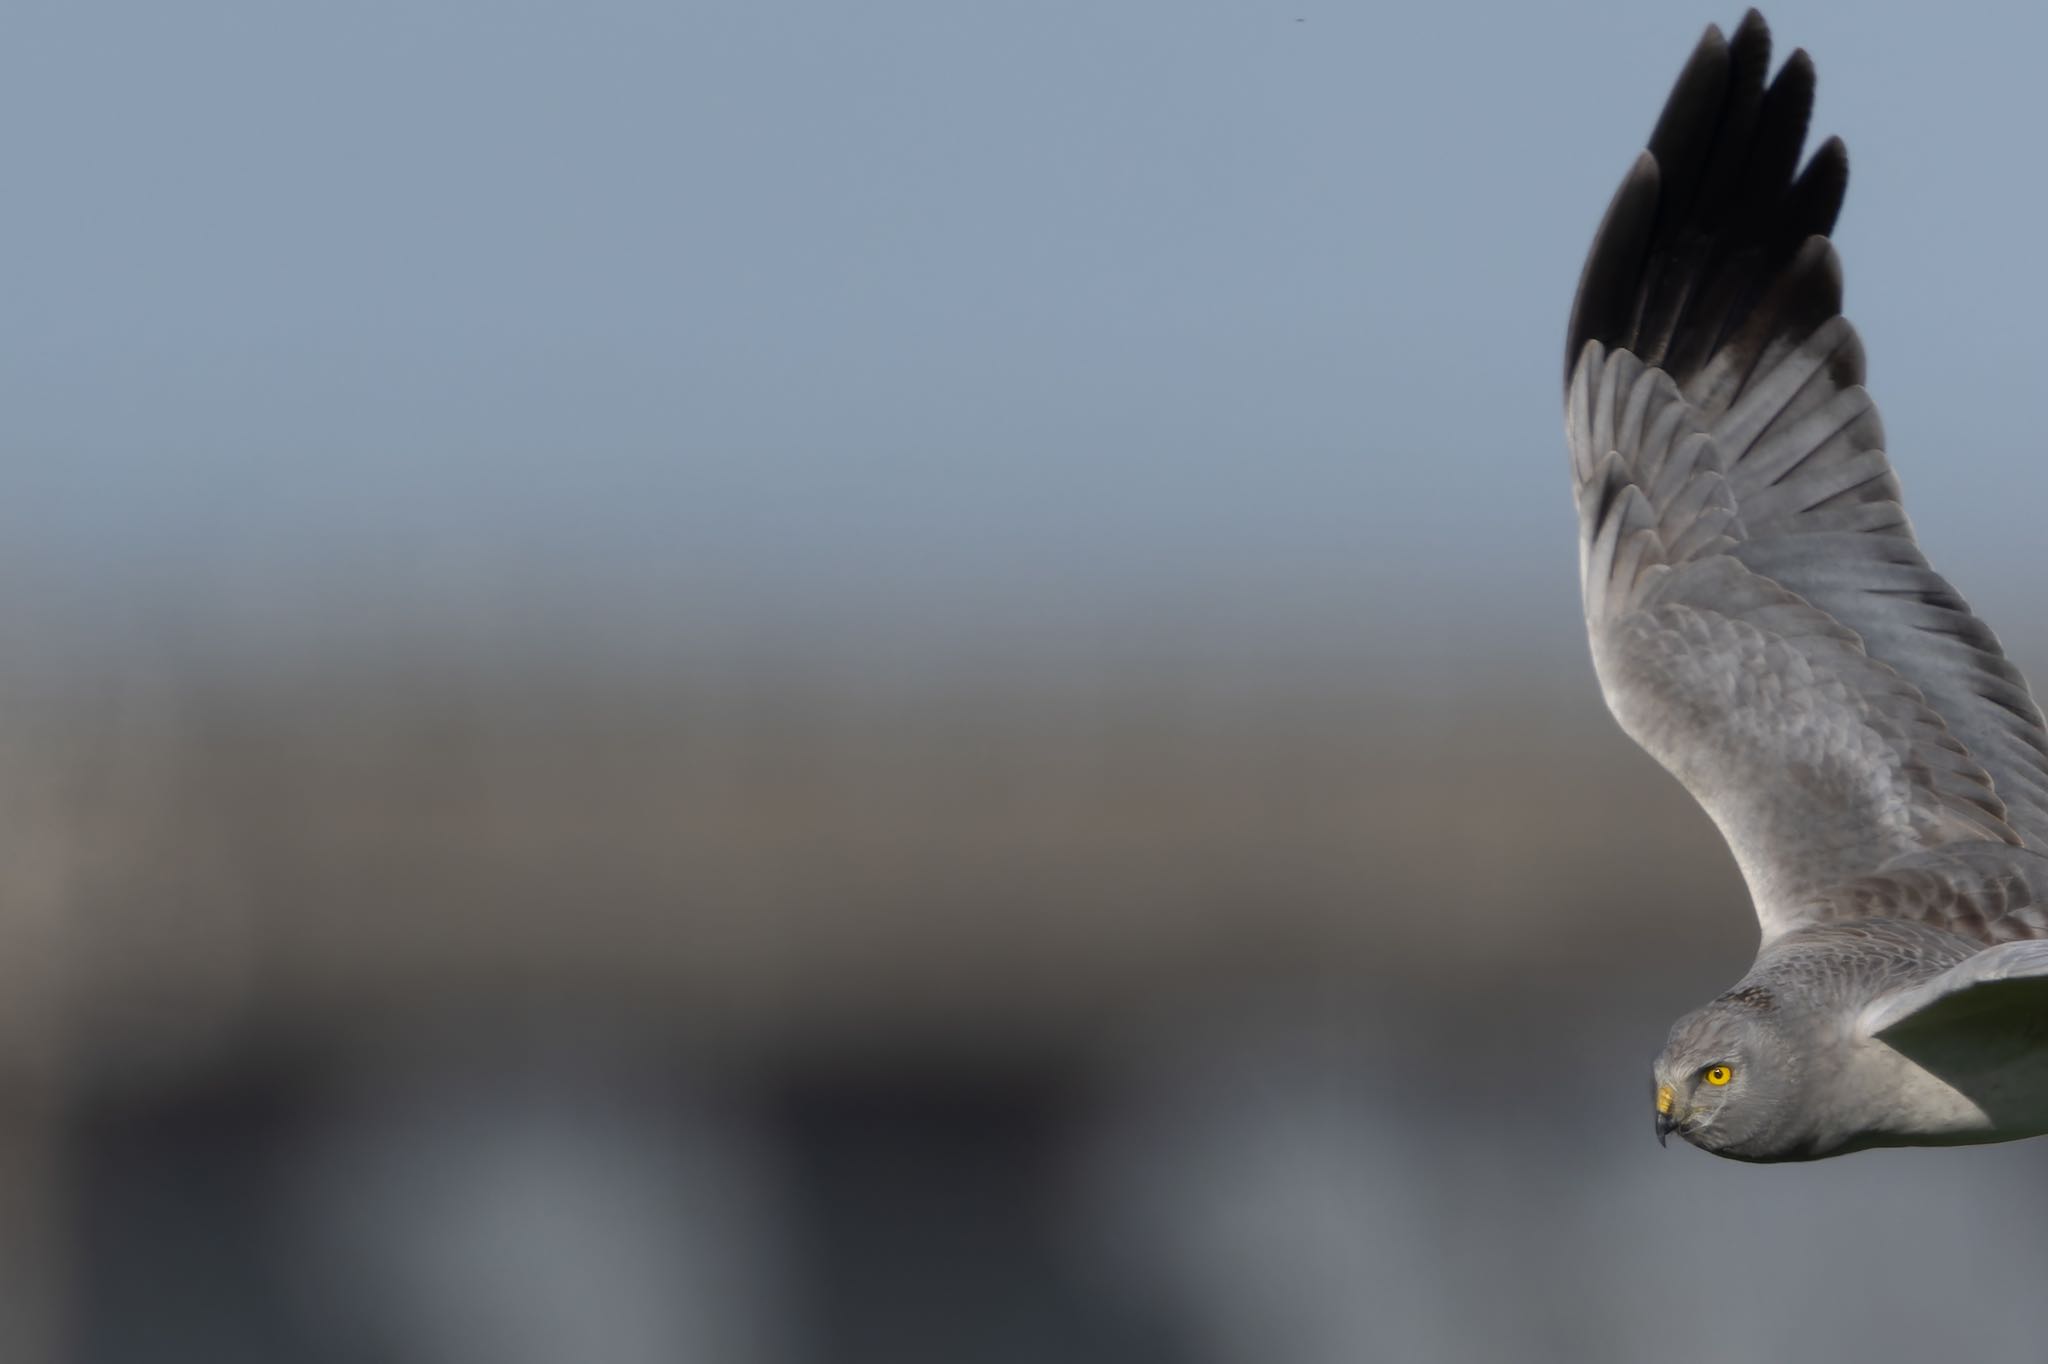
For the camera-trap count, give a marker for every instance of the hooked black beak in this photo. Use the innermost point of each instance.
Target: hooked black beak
(1665, 1124)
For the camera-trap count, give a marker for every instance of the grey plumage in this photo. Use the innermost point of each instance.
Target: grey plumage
(1764, 625)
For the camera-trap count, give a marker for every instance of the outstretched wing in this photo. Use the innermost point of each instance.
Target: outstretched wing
(1761, 619)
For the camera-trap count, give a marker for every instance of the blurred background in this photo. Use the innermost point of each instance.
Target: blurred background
(902, 683)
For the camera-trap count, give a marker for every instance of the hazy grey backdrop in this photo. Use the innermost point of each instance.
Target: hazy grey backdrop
(815, 682)
(1011, 324)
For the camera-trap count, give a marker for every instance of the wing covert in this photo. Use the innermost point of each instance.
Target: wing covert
(1817, 762)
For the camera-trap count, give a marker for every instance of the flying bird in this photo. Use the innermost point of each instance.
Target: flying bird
(1765, 626)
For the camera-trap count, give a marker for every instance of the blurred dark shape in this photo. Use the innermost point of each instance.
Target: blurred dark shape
(446, 999)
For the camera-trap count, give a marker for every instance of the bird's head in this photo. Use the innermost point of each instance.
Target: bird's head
(1728, 1078)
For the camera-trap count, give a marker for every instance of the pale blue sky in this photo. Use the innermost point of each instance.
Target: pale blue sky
(1199, 321)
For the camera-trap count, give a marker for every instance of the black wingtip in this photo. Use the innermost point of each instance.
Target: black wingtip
(1751, 41)
(1605, 304)
(1693, 247)
(1701, 85)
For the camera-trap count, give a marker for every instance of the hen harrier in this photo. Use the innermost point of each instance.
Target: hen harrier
(1764, 625)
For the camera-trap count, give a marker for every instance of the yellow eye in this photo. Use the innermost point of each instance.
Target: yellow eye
(1717, 1075)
